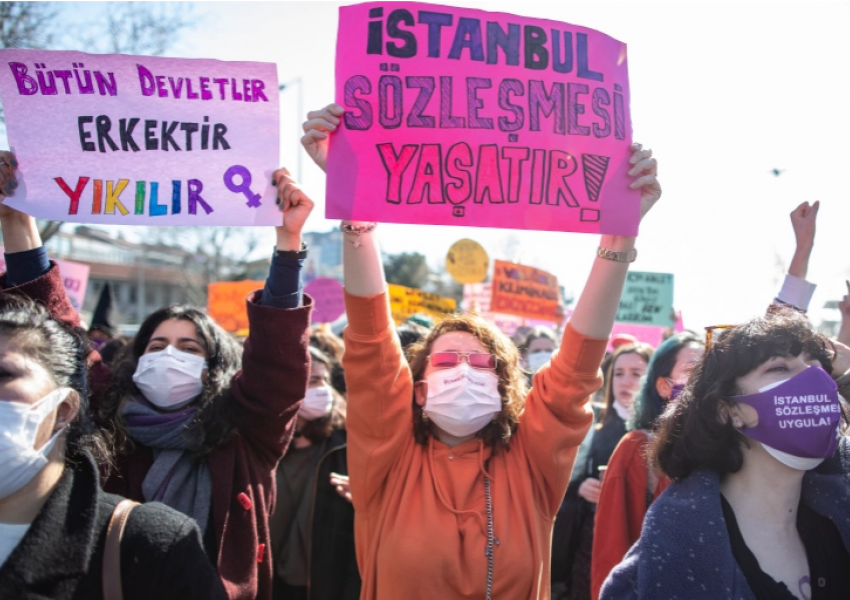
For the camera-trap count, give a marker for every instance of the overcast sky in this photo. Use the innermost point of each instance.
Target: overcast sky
(723, 92)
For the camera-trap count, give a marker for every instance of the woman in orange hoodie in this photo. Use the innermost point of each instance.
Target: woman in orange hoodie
(456, 471)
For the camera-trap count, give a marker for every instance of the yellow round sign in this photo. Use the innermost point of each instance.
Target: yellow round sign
(467, 262)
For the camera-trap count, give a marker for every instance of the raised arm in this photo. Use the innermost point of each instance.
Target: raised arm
(276, 360)
(557, 416)
(28, 270)
(378, 381)
(796, 291)
(597, 307)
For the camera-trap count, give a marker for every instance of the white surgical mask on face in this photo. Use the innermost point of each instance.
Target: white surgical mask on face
(538, 359)
(624, 412)
(462, 400)
(19, 422)
(318, 403)
(170, 378)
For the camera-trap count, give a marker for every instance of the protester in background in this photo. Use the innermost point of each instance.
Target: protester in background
(113, 350)
(323, 338)
(102, 330)
(53, 514)
(442, 508)
(630, 486)
(629, 482)
(188, 427)
(538, 347)
(758, 510)
(312, 527)
(573, 541)
(410, 333)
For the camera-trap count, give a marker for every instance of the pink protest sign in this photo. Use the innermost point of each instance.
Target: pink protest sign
(457, 116)
(649, 334)
(328, 299)
(75, 277)
(141, 140)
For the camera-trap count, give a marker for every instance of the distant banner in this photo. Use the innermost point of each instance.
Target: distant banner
(75, 278)
(524, 291)
(226, 304)
(141, 140)
(648, 300)
(328, 299)
(406, 302)
(476, 298)
(457, 116)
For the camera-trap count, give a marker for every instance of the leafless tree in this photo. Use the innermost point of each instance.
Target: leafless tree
(213, 253)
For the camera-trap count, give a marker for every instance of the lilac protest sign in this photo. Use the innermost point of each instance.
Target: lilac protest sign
(141, 140)
(465, 117)
(328, 299)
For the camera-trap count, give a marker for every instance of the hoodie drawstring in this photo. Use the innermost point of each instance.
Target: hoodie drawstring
(481, 518)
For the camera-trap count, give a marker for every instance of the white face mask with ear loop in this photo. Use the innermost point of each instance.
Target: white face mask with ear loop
(170, 379)
(19, 423)
(318, 403)
(461, 400)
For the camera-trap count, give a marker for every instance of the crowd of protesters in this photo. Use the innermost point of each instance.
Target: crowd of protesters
(443, 461)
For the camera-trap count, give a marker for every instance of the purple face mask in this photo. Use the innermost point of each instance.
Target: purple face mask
(798, 417)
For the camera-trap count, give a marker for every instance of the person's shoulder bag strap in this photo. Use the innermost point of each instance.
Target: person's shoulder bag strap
(112, 550)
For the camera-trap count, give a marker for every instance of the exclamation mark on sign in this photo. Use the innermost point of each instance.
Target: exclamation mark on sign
(594, 167)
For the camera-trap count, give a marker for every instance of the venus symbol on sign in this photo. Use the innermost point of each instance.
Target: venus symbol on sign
(244, 186)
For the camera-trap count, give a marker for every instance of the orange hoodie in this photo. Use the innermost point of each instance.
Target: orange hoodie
(420, 511)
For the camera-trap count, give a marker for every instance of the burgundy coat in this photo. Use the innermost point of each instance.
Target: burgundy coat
(266, 395)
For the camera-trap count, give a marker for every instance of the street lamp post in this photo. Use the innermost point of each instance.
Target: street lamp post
(285, 86)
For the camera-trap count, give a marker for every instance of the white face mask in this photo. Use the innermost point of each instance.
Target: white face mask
(624, 412)
(318, 403)
(538, 359)
(19, 422)
(461, 400)
(170, 378)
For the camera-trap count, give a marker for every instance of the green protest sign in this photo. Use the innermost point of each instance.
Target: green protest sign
(647, 299)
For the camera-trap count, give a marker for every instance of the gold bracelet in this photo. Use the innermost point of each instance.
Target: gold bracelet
(616, 255)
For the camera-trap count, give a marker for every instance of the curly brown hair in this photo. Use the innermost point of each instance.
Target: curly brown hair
(690, 434)
(512, 386)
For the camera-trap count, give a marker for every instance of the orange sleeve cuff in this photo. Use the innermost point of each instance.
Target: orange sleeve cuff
(368, 316)
(580, 354)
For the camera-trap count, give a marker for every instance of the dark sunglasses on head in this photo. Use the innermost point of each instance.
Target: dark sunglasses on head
(476, 360)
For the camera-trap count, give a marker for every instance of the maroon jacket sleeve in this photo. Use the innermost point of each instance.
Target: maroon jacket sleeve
(267, 392)
(50, 291)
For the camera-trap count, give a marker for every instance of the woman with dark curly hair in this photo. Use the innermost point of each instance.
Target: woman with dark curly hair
(194, 423)
(457, 470)
(53, 515)
(758, 507)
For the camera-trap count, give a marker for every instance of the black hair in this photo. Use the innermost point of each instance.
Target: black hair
(691, 434)
(214, 416)
(62, 351)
